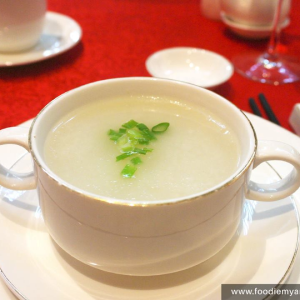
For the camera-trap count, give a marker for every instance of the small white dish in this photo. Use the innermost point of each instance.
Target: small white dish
(59, 35)
(248, 31)
(33, 267)
(197, 66)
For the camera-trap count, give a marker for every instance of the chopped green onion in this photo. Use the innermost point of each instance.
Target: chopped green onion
(160, 128)
(128, 137)
(122, 130)
(143, 142)
(124, 155)
(127, 148)
(148, 135)
(122, 140)
(142, 126)
(142, 151)
(147, 149)
(114, 135)
(111, 132)
(146, 131)
(136, 160)
(130, 124)
(128, 171)
(135, 134)
(133, 151)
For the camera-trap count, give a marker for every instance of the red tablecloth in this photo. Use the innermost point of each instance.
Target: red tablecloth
(118, 36)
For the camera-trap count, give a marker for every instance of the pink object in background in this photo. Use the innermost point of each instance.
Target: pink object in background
(211, 9)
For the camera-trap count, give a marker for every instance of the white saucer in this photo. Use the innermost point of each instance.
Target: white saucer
(197, 66)
(248, 31)
(34, 268)
(59, 35)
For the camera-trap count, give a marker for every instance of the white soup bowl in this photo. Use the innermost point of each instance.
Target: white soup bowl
(146, 237)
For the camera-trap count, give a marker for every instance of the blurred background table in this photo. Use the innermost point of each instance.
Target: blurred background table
(119, 35)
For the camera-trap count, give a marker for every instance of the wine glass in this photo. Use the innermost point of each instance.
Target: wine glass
(270, 66)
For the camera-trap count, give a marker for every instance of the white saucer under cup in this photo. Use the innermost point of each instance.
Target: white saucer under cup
(60, 33)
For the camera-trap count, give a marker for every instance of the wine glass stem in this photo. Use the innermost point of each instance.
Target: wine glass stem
(274, 39)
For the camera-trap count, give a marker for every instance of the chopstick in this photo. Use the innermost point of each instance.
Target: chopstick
(254, 107)
(266, 106)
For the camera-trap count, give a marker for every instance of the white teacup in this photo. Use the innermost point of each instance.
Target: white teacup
(21, 24)
(146, 237)
(254, 12)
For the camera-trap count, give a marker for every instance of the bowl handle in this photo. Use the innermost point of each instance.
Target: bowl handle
(9, 178)
(271, 150)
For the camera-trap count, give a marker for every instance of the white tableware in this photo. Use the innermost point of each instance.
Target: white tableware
(146, 237)
(254, 12)
(249, 31)
(21, 24)
(197, 66)
(60, 33)
(34, 268)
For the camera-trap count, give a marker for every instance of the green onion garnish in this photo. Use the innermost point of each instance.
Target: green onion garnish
(130, 124)
(160, 128)
(136, 160)
(143, 142)
(132, 152)
(142, 126)
(142, 151)
(114, 135)
(146, 132)
(128, 137)
(128, 171)
(122, 130)
(124, 155)
(127, 148)
(135, 134)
